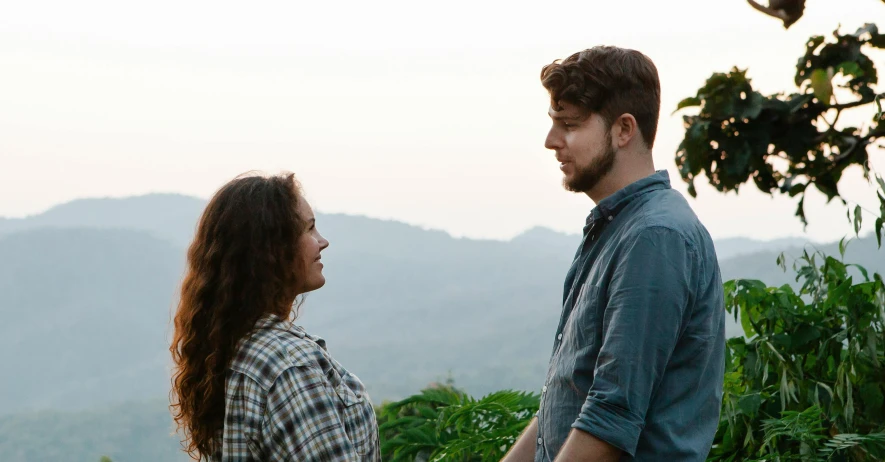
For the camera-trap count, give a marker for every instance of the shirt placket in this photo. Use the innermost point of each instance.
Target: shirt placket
(590, 239)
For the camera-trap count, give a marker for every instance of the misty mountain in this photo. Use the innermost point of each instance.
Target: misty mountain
(87, 290)
(84, 316)
(131, 432)
(172, 217)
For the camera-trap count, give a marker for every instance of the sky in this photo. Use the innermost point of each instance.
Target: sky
(427, 113)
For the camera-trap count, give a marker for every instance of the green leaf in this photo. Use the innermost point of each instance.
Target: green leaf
(858, 219)
(805, 334)
(749, 330)
(797, 188)
(822, 85)
(850, 68)
(810, 360)
(800, 211)
(753, 108)
(863, 271)
(783, 340)
(688, 102)
(749, 404)
(880, 223)
(827, 185)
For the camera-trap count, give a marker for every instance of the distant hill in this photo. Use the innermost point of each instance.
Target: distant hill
(737, 246)
(87, 289)
(167, 216)
(84, 317)
(173, 217)
(130, 432)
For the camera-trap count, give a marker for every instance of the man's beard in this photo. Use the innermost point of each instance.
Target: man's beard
(586, 178)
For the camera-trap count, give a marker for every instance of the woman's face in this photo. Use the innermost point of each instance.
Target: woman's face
(310, 245)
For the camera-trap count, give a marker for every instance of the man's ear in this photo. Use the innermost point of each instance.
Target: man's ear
(624, 129)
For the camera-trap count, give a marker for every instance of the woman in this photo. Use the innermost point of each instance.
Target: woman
(249, 385)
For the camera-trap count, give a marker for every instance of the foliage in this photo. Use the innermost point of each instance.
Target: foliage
(444, 423)
(806, 382)
(786, 143)
(788, 11)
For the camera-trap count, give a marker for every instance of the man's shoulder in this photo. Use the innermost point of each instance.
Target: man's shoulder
(666, 214)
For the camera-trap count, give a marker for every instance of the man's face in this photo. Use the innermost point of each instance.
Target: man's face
(583, 146)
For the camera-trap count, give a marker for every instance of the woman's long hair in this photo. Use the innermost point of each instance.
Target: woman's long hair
(242, 264)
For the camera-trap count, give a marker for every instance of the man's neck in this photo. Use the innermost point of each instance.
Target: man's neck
(622, 175)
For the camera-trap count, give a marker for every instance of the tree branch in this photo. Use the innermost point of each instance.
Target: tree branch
(854, 104)
(779, 14)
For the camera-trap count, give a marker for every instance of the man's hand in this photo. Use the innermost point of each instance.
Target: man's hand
(584, 447)
(524, 448)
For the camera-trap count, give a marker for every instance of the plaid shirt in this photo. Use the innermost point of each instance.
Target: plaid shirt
(286, 399)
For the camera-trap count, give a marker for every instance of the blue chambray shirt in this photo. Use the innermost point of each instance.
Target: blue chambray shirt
(639, 355)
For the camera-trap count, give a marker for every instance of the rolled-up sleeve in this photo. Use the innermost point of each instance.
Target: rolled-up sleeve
(649, 291)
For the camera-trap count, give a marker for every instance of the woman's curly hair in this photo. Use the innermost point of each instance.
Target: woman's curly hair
(241, 265)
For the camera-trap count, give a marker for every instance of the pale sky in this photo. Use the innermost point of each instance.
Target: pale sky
(427, 113)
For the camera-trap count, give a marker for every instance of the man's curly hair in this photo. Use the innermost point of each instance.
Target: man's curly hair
(608, 81)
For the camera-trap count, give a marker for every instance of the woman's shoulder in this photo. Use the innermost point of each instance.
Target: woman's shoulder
(275, 346)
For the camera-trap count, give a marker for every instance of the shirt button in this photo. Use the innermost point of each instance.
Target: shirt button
(544, 390)
(610, 218)
(559, 337)
(540, 441)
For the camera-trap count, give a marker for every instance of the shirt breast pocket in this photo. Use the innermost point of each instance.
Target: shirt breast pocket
(358, 414)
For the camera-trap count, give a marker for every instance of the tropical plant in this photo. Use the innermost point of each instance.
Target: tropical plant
(807, 380)
(442, 423)
(786, 143)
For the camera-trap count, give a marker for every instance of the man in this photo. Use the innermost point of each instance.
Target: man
(638, 358)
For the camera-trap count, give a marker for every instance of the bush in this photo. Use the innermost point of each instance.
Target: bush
(804, 383)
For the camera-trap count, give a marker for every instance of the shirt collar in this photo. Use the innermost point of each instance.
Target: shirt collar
(609, 207)
(271, 320)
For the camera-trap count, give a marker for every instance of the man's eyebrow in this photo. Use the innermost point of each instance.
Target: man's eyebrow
(569, 118)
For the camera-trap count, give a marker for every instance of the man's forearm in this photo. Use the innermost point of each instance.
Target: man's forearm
(582, 446)
(524, 448)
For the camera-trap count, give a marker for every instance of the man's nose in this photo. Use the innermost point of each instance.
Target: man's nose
(554, 140)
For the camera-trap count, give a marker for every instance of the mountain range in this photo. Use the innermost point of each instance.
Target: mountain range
(88, 288)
